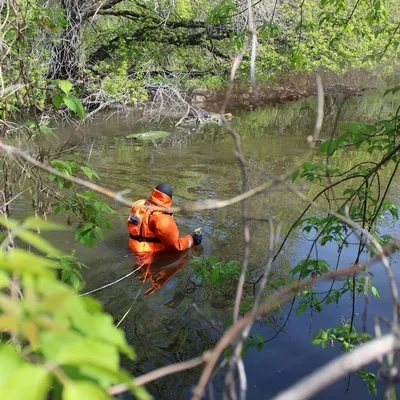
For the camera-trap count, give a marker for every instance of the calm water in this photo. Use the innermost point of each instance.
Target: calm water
(185, 317)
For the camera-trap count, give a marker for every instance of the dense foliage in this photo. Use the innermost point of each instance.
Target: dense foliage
(113, 50)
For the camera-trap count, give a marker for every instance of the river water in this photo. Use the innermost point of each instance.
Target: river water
(186, 316)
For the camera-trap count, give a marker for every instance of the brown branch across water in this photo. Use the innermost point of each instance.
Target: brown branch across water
(118, 196)
(160, 373)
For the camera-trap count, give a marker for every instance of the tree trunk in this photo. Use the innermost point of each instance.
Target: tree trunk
(64, 62)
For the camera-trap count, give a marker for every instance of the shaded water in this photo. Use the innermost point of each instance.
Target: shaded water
(186, 316)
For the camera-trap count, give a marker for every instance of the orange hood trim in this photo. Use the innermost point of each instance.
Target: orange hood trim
(160, 199)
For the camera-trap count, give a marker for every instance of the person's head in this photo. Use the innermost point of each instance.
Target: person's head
(166, 189)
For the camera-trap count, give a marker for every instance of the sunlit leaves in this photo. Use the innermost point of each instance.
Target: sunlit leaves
(345, 334)
(268, 29)
(86, 206)
(22, 262)
(89, 352)
(391, 208)
(214, 271)
(70, 341)
(370, 379)
(29, 382)
(222, 12)
(90, 209)
(65, 86)
(83, 390)
(65, 167)
(73, 103)
(10, 360)
(310, 266)
(70, 103)
(90, 173)
(71, 269)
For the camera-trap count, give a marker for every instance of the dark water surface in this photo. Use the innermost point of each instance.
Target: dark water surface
(186, 316)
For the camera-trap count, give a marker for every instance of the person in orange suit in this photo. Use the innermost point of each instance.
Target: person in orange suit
(156, 231)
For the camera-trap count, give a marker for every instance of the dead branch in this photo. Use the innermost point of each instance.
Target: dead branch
(119, 196)
(340, 367)
(160, 373)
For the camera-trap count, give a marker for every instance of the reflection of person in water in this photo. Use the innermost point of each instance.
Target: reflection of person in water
(159, 268)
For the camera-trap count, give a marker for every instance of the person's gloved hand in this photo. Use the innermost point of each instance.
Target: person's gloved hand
(197, 238)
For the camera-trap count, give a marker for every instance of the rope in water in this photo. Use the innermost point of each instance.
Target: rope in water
(112, 283)
(134, 301)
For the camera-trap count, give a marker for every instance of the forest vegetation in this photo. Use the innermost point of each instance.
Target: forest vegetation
(113, 51)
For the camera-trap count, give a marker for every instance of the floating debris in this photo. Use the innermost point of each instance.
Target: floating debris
(152, 135)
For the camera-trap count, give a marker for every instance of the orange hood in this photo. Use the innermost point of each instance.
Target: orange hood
(160, 198)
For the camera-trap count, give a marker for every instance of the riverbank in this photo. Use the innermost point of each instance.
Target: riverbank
(168, 101)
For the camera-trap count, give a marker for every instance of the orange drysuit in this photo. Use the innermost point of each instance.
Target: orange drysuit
(155, 231)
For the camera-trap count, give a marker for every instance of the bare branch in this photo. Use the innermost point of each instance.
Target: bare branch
(160, 373)
(199, 206)
(339, 367)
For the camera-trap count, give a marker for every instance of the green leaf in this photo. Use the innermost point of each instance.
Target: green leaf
(84, 390)
(90, 173)
(10, 361)
(70, 104)
(65, 86)
(57, 100)
(99, 232)
(301, 308)
(374, 291)
(8, 223)
(46, 130)
(4, 281)
(53, 342)
(23, 262)
(90, 352)
(295, 175)
(260, 337)
(31, 382)
(80, 110)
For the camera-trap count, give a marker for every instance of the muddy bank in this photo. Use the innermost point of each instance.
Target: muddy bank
(283, 89)
(250, 99)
